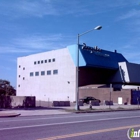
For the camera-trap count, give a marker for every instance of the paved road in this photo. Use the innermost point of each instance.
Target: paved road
(90, 126)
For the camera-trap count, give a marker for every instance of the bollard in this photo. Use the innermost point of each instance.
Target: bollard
(90, 106)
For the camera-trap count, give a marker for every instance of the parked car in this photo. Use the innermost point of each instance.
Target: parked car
(87, 99)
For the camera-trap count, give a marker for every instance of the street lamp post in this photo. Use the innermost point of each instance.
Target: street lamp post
(77, 67)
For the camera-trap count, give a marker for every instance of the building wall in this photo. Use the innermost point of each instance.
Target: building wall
(96, 67)
(128, 73)
(134, 87)
(133, 72)
(17, 101)
(104, 94)
(60, 86)
(93, 75)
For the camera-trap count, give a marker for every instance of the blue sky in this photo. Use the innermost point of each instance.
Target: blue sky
(33, 26)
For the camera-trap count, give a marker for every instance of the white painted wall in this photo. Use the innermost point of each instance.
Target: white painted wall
(130, 87)
(52, 87)
(121, 75)
(124, 72)
(128, 73)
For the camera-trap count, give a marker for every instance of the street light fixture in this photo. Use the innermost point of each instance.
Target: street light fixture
(77, 67)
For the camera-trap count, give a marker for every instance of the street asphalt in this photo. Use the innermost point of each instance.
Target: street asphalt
(84, 126)
(64, 110)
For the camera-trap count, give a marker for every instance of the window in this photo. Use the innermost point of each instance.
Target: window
(19, 66)
(45, 61)
(42, 72)
(36, 73)
(31, 74)
(18, 85)
(49, 60)
(55, 71)
(23, 78)
(35, 63)
(41, 61)
(48, 72)
(23, 68)
(19, 76)
(38, 62)
(53, 59)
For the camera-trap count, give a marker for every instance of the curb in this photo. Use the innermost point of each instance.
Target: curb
(6, 115)
(98, 111)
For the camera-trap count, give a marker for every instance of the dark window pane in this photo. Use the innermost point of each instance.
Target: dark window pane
(53, 60)
(48, 72)
(37, 73)
(31, 74)
(55, 71)
(42, 72)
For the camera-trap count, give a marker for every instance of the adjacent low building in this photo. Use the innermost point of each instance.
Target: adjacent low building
(51, 76)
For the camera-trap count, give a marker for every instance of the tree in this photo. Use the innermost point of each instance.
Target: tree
(6, 89)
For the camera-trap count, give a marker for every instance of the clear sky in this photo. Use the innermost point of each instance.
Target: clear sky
(33, 26)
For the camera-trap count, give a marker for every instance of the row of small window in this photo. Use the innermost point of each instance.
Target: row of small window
(44, 61)
(23, 77)
(20, 67)
(43, 73)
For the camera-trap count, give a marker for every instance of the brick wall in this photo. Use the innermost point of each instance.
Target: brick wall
(104, 94)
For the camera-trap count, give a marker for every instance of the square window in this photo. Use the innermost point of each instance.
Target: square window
(31, 74)
(48, 72)
(42, 72)
(45, 61)
(49, 60)
(38, 62)
(41, 61)
(35, 63)
(53, 59)
(55, 71)
(36, 73)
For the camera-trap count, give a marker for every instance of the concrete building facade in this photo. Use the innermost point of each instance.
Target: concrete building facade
(48, 76)
(51, 75)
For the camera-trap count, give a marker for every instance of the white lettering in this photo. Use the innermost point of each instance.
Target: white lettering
(136, 135)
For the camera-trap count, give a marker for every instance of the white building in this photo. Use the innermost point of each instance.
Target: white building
(48, 76)
(52, 75)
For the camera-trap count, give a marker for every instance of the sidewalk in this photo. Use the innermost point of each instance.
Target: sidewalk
(32, 112)
(64, 110)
